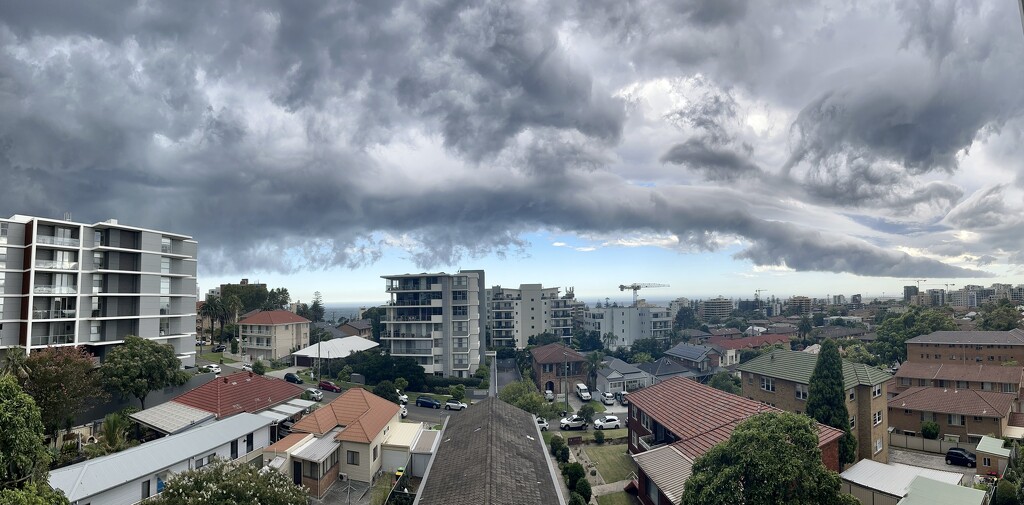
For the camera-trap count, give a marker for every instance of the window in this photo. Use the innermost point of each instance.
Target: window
(876, 418)
(632, 410)
(234, 449)
(375, 453)
(165, 285)
(145, 489)
(955, 420)
(851, 394)
(961, 384)
(165, 265)
(853, 421)
(939, 356)
(878, 445)
(3, 232)
(248, 443)
(876, 391)
(986, 462)
(801, 391)
(768, 384)
(986, 386)
(978, 419)
(352, 458)
(1008, 388)
(904, 381)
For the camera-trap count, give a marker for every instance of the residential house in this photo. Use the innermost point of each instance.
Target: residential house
(673, 423)
(725, 333)
(702, 360)
(549, 368)
(617, 376)
(1001, 379)
(694, 336)
(663, 369)
(491, 453)
(357, 328)
(962, 414)
(730, 348)
(785, 329)
(138, 473)
(273, 334)
(986, 347)
(874, 483)
(328, 330)
(993, 456)
(782, 377)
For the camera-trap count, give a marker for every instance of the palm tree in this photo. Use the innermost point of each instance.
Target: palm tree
(804, 327)
(592, 365)
(609, 339)
(211, 310)
(113, 435)
(233, 304)
(15, 363)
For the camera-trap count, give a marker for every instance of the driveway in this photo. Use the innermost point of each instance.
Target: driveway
(928, 460)
(508, 372)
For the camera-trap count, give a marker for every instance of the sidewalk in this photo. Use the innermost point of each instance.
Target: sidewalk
(614, 487)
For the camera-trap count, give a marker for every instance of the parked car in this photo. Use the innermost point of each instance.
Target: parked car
(426, 401)
(402, 397)
(247, 367)
(294, 379)
(453, 404)
(542, 424)
(220, 348)
(573, 422)
(211, 368)
(329, 386)
(962, 457)
(315, 394)
(549, 395)
(608, 398)
(583, 392)
(405, 411)
(607, 422)
(622, 398)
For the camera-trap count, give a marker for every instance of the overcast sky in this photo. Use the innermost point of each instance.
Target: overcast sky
(720, 146)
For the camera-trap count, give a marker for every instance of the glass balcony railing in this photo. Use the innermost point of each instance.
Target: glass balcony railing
(60, 338)
(57, 265)
(411, 351)
(54, 314)
(61, 241)
(55, 290)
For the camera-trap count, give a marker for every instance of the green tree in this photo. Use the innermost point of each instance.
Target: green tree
(15, 363)
(140, 366)
(63, 384)
(253, 296)
(586, 412)
(930, 430)
(769, 458)
(826, 398)
(259, 367)
(401, 384)
(458, 392)
(686, 319)
(725, 381)
(113, 435)
(818, 319)
(609, 340)
(583, 488)
(576, 499)
(211, 310)
(599, 437)
(387, 391)
(591, 366)
(1006, 493)
(640, 357)
(859, 353)
(1001, 316)
(23, 456)
(894, 332)
(573, 472)
(804, 327)
(316, 310)
(224, 482)
(277, 299)
(374, 314)
(524, 395)
(33, 493)
(232, 305)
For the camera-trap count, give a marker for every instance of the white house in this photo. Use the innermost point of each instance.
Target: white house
(617, 376)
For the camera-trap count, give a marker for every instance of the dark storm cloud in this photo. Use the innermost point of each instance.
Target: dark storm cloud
(715, 162)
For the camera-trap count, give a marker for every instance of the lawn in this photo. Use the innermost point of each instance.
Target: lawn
(588, 436)
(619, 498)
(216, 357)
(612, 461)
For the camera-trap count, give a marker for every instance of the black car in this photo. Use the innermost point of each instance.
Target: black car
(962, 457)
(294, 379)
(426, 401)
(220, 348)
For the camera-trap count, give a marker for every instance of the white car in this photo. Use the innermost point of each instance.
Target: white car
(402, 397)
(211, 368)
(573, 422)
(607, 422)
(542, 424)
(608, 398)
(315, 394)
(549, 395)
(453, 404)
(247, 367)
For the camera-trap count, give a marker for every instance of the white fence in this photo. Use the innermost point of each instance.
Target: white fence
(923, 444)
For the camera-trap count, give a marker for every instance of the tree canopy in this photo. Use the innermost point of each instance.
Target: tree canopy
(140, 366)
(826, 398)
(725, 381)
(894, 332)
(224, 482)
(376, 367)
(63, 383)
(24, 460)
(1001, 316)
(769, 458)
(524, 394)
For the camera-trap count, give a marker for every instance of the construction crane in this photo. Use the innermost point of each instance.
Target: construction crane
(637, 285)
(757, 298)
(918, 281)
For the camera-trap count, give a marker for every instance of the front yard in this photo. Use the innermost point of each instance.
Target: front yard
(618, 498)
(612, 461)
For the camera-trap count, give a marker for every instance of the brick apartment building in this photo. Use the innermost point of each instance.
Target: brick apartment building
(549, 364)
(781, 379)
(967, 414)
(976, 347)
(981, 377)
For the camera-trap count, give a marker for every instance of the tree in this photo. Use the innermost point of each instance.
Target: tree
(33, 493)
(139, 366)
(225, 482)
(401, 384)
(826, 398)
(458, 392)
(524, 395)
(544, 339)
(576, 499)
(1006, 493)
(685, 319)
(387, 391)
(586, 412)
(725, 381)
(1002, 316)
(23, 457)
(769, 458)
(374, 314)
(63, 384)
(113, 435)
(930, 430)
(804, 327)
(818, 319)
(253, 296)
(583, 488)
(15, 363)
(277, 299)
(652, 346)
(232, 305)
(894, 332)
(641, 357)
(259, 367)
(609, 340)
(592, 365)
(316, 310)
(211, 310)
(573, 472)
(859, 353)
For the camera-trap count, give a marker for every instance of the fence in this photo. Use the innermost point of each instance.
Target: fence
(926, 445)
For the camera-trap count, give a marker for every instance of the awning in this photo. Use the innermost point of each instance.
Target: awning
(298, 402)
(276, 416)
(291, 410)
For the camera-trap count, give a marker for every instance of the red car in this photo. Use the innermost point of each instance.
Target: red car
(329, 386)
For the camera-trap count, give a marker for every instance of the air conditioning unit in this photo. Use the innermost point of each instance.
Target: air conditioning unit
(342, 476)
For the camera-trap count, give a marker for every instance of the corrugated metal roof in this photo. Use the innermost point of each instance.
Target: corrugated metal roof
(798, 367)
(925, 491)
(274, 415)
(319, 449)
(301, 403)
(97, 475)
(668, 468)
(992, 445)
(336, 347)
(172, 417)
(291, 410)
(403, 435)
(894, 480)
(425, 445)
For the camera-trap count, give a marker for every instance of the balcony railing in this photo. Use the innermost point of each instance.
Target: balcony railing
(55, 290)
(647, 442)
(404, 287)
(53, 314)
(460, 349)
(412, 351)
(396, 334)
(410, 318)
(61, 338)
(410, 303)
(61, 241)
(57, 265)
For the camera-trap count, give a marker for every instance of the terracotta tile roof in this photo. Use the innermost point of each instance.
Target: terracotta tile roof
(552, 353)
(287, 442)
(962, 372)
(274, 317)
(361, 413)
(748, 342)
(968, 402)
(1012, 337)
(240, 392)
(702, 416)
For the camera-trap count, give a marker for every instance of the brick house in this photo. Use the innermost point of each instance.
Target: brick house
(1001, 379)
(358, 328)
(988, 347)
(781, 379)
(730, 348)
(703, 360)
(674, 422)
(993, 456)
(967, 414)
(549, 367)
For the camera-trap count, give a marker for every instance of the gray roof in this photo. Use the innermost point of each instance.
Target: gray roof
(894, 479)
(319, 449)
(359, 324)
(491, 453)
(334, 332)
(1012, 337)
(94, 476)
(690, 352)
(668, 468)
(172, 417)
(617, 365)
(664, 367)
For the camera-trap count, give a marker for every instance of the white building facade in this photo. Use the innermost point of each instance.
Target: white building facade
(515, 315)
(629, 324)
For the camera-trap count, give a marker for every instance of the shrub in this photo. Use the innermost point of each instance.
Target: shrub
(234, 346)
(583, 488)
(573, 472)
(599, 437)
(586, 412)
(435, 382)
(576, 499)
(930, 430)
(259, 367)
(563, 454)
(345, 375)
(482, 372)
(593, 472)
(506, 353)
(557, 442)
(1006, 494)
(458, 392)
(485, 384)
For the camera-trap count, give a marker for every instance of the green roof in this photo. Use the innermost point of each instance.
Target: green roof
(992, 445)
(797, 367)
(925, 491)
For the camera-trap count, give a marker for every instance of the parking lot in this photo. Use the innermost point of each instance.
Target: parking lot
(928, 460)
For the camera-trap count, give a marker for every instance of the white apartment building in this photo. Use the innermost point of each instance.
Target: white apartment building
(437, 319)
(629, 324)
(717, 309)
(515, 315)
(64, 283)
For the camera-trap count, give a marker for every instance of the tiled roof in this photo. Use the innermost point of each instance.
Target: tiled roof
(716, 332)
(797, 367)
(780, 330)
(1012, 337)
(490, 453)
(961, 372)
(274, 317)
(617, 365)
(968, 402)
(552, 353)
(359, 324)
(1016, 419)
(694, 333)
(664, 366)
(748, 342)
(839, 332)
(690, 352)
(361, 413)
(240, 392)
(334, 332)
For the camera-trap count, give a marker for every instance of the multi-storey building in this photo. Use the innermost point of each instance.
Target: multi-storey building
(967, 347)
(437, 319)
(781, 379)
(273, 334)
(515, 315)
(629, 324)
(801, 305)
(65, 283)
(966, 414)
(909, 292)
(715, 309)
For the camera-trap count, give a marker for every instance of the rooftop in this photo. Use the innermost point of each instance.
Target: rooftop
(172, 417)
(665, 367)
(273, 318)
(240, 392)
(617, 365)
(668, 467)
(359, 324)
(748, 342)
(895, 479)
(361, 413)
(926, 491)
(555, 353)
(798, 367)
(336, 347)
(994, 446)
(1012, 337)
(961, 372)
(690, 352)
(968, 402)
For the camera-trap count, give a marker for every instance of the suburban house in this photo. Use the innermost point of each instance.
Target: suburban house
(273, 334)
(782, 377)
(702, 360)
(874, 483)
(725, 333)
(617, 376)
(695, 336)
(491, 453)
(730, 348)
(357, 328)
(331, 349)
(549, 367)
(328, 329)
(962, 414)
(1001, 379)
(988, 347)
(138, 473)
(993, 456)
(663, 369)
(673, 423)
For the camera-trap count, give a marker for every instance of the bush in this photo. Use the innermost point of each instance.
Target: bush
(593, 472)
(576, 499)
(259, 367)
(930, 430)
(482, 372)
(573, 472)
(234, 346)
(586, 412)
(442, 390)
(505, 353)
(583, 488)
(345, 375)
(1006, 494)
(563, 454)
(557, 442)
(599, 437)
(458, 392)
(435, 382)
(485, 384)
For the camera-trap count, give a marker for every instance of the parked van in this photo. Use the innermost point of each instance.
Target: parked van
(582, 392)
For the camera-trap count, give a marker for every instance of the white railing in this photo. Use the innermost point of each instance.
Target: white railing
(57, 265)
(55, 290)
(61, 241)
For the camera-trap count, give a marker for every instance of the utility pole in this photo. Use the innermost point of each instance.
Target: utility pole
(565, 381)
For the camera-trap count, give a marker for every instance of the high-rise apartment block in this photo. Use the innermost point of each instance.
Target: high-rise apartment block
(515, 315)
(437, 319)
(716, 309)
(629, 323)
(64, 283)
(801, 305)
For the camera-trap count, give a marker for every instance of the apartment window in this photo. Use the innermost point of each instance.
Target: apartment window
(876, 418)
(165, 265)
(978, 419)
(145, 489)
(986, 386)
(961, 384)
(853, 421)
(876, 391)
(851, 394)
(165, 244)
(3, 257)
(768, 384)
(941, 383)
(352, 458)
(3, 232)
(633, 437)
(645, 420)
(1009, 388)
(878, 445)
(460, 326)
(922, 382)
(904, 381)
(955, 420)
(375, 453)
(632, 410)
(801, 391)
(165, 285)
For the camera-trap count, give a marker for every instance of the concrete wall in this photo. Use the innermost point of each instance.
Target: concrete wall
(919, 443)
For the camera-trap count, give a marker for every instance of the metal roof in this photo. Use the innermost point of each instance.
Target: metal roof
(336, 347)
(895, 479)
(403, 435)
(319, 449)
(994, 446)
(925, 491)
(298, 402)
(795, 366)
(690, 352)
(94, 476)
(172, 417)
(291, 410)
(668, 468)
(273, 415)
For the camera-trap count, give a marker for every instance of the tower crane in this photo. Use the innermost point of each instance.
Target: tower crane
(918, 281)
(757, 298)
(637, 285)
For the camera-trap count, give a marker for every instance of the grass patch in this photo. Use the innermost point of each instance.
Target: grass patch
(216, 357)
(598, 407)
(619, 498)
(612, 461)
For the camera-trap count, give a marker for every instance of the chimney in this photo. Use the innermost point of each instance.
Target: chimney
(250, 374)
(225, 380)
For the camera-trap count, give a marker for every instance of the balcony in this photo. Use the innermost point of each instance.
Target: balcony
(55, 290)
(57, 265)
(59, 241)
(54, 314)
(54, 339)
(402, 335)
(460, 366)
(647, 442)
(412, 303)
(410, 318)
(460, 349)
(405, 286)
(413, 352)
